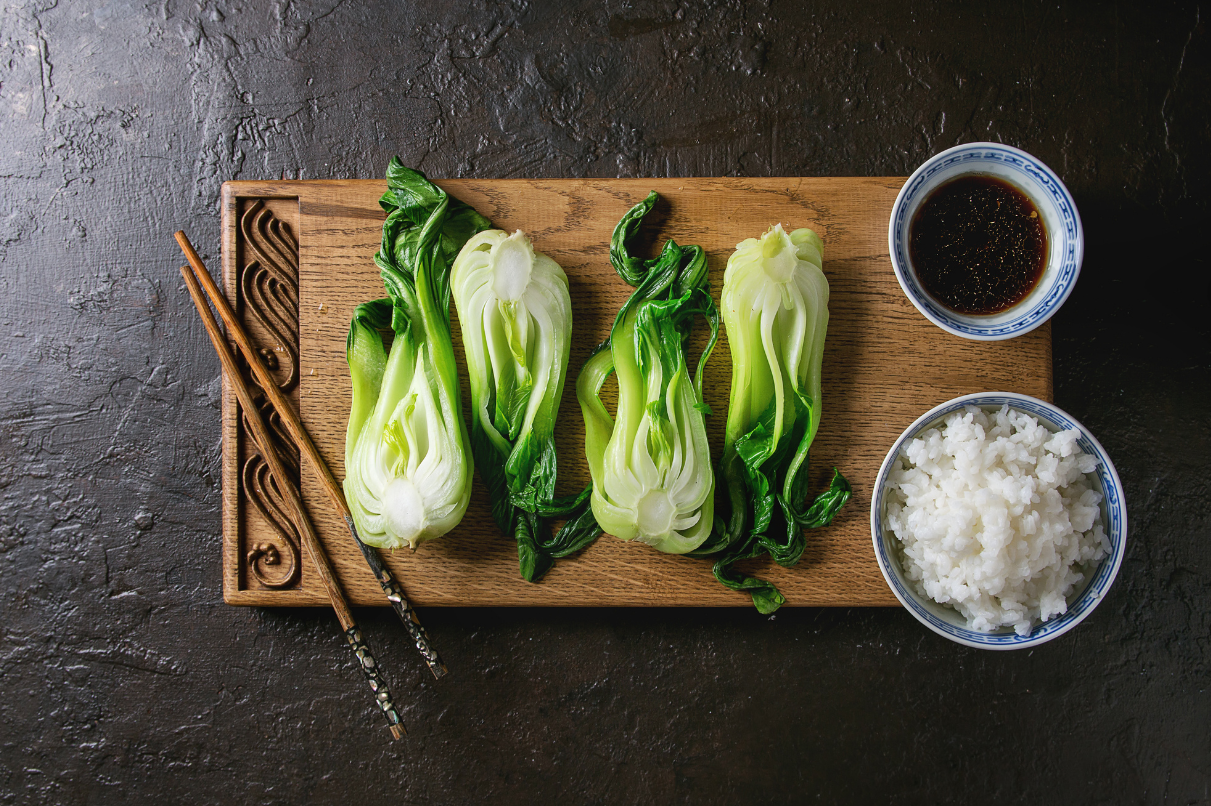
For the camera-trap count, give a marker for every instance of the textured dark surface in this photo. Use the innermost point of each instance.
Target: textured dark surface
(125, 679)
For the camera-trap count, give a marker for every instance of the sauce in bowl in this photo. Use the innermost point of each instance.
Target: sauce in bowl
(978, 245)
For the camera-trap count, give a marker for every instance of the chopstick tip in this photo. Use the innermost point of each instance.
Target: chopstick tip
(183, 241)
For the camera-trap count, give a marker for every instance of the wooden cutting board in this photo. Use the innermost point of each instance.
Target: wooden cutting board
(884, 365)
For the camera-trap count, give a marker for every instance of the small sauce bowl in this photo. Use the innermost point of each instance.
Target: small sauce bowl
(1065, 238)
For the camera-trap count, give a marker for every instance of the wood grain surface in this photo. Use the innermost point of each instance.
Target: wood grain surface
(884, 365)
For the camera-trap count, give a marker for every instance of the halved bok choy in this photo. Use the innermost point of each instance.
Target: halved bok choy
(407, 467)
(775, 314)
(516, 319)
(650, 462)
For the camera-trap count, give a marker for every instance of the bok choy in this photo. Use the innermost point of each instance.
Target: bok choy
(775, 314)
(650, 463)
(407, 467)
(516, 319)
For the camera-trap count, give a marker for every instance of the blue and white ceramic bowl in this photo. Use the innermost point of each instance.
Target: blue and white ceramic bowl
(1065, 237)
(946, 621)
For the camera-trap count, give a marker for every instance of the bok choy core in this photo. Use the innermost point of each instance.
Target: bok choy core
(650, 464)
(516, 318)
(775, 313)
(407, 468)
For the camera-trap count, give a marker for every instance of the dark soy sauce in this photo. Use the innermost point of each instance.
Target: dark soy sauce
(978, 245)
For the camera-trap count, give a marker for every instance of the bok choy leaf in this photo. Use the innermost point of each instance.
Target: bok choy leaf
(516, 319)
(775, 313)
(407, 467)
(650, 462)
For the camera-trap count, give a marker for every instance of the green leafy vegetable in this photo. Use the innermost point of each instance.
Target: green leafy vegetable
(775, 312)
(651, 468)
(407, 468)
(516, 319)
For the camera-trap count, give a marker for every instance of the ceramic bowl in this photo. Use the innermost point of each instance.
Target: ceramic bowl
(1065, 237)
(946, 621)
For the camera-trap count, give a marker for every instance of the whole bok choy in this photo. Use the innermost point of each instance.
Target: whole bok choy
(650, 463)
(775, 313)
(407, 467)
(516, 319)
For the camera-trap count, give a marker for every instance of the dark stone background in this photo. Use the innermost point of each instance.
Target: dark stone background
(125, 679)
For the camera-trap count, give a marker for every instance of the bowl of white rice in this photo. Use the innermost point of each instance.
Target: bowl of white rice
(998, 521)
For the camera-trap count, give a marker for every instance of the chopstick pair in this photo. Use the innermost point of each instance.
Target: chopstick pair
(195, 281)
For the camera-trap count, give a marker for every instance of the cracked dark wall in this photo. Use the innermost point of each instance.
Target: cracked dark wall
(124, 678)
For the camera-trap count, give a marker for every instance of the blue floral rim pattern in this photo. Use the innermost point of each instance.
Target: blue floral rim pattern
(1113, 508)
(1069, 246)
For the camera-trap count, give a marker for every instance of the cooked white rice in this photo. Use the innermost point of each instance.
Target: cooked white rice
(996, 517)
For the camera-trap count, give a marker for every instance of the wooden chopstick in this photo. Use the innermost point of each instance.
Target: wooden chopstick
(391, 587)
(315, 550)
